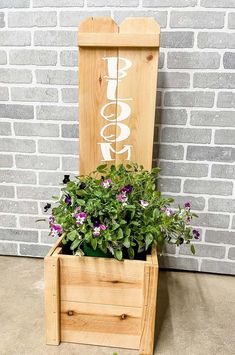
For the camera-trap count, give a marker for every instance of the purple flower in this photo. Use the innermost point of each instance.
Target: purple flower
(196, 234)
(47, 207)
(168, 211)
(95, 221)
(51, 220)
(144, 203)
(122, 197)
(96, 231)
(56, 229)
(80, 217)
(187, 205)
(66, 179)
(103, 227)
(106, 183)
(82, 186)
(68, 200)
(126, 189)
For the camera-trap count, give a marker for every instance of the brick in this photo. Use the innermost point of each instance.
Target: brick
(193, 60)
(172, 262)
(55, 38)
(58, 113)
(189, 99)
(31, 222)
(118, 3)
(208, 187)
(6, 161)
(70, 164)
(37, 162)
(223, 171)
(36, 193)
(34, 94)
(15, 38)
(233, 223)
(226, 100)
(17, 145)
(7, 220)
(5, 129)
(4, 96)
(70, 95)
(34, 250)
(197, 19)
(57, 3)
(223, 237)
(24, 207)
(19, 235)
(197, 203)
(14, 3)
(186, 135)
(2, 21)
(57, 77)
(3, 57)
(160, 16)
(213, 220)
(221, 267)
(221, 205)
(36, 129)
(221, 154)
(8, 249)
(173, 80)
(15, 75)
(169, 3)
(229, 60)
(171, 116)
(212, 118)
(69, 130)
(231, 253)
(217, 3)
(73, 18)
(17, 176)
(169, 249)
(58, 147)
(69, 58)
(204, 250)
(161, 60)
(225, 136)
(216, 40)
(231, 20)
(6, 191)
(51, 178)
(169, 185)
(159, 99)
(47, 239)
(16, 111)
(33, 57)
(183, 169)
(214, 80)
(170, 152)
(179, 39)
(32, 19)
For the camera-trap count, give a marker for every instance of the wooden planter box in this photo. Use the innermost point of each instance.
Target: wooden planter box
(100, 301)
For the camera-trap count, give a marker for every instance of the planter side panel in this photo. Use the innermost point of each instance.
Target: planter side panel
(102, 281)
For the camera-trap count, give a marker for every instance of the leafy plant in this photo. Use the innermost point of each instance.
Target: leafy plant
(118, 211)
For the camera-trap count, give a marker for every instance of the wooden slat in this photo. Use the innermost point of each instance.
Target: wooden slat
(53, 248)
(140, 85)
(149, 310)
(118, 40)
(99, 280)
(100, 324)
(52, 302)
(92, 93)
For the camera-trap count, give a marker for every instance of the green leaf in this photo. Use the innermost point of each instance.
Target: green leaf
(94, 243)
(75, 244)
(80, 202)
(101, 168)
(72, 235)
(131, 253)
(120, 233)
(156, 213)
(127, 242)
(148, 240)
(118, 254)
(130, 207)
(193, 251)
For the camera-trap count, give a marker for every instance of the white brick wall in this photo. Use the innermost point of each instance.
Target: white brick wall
(195, 125)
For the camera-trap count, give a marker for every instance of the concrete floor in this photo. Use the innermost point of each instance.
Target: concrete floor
(196, 313)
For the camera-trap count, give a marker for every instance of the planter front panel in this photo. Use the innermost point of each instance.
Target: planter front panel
(102, 281)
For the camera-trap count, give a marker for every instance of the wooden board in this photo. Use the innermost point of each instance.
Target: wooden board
(117, 105)
(103, 281)
(100, 324)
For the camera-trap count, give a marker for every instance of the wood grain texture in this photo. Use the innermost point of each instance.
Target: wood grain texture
(103, 281)
(118, 40)
(100, 324)
(52, 300)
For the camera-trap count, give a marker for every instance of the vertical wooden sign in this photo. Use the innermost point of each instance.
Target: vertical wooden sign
(117, 91)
